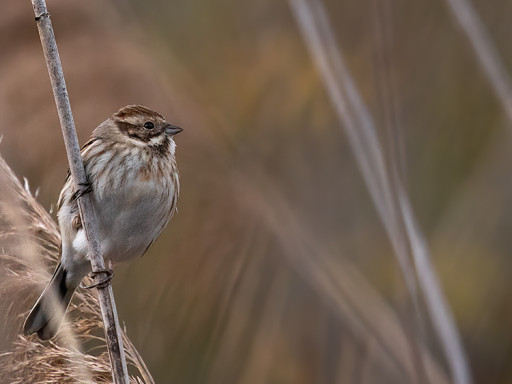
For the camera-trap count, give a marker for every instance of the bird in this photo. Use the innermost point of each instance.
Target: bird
(133, 180)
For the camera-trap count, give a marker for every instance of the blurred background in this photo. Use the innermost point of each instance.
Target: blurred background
(277, 268)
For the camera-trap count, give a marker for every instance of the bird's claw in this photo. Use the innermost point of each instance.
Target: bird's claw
(83, 189)
(108, 274)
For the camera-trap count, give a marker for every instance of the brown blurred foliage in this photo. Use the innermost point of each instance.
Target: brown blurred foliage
(276, 268)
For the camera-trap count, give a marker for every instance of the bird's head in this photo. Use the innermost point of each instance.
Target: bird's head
(140, 126)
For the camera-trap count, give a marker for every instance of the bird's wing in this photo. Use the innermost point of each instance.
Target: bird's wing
(68, 185)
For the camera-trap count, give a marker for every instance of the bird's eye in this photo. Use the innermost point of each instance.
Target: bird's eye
(149, 125)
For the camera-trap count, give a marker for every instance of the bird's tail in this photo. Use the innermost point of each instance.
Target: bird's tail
(48, 311)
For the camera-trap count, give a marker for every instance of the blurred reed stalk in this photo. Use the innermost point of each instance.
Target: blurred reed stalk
(485, 51)
(337, 281)
(76, 167)
(387, 192)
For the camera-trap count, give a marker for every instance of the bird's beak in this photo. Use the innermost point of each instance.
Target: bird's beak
(172, 130)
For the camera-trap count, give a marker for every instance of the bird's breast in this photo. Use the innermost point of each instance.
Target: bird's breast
(134, 204)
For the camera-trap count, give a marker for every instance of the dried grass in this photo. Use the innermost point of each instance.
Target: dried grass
(29, 242)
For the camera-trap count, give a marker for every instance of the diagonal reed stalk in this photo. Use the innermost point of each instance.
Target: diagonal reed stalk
(387, 192)
(485, 51)
(77, 170)
(351, 297)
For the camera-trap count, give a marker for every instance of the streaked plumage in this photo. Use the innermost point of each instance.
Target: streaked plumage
(130, 164)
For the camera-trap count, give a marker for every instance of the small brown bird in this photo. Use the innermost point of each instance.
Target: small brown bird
(130, 165)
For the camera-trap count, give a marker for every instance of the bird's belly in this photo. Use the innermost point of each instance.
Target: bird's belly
(130, 221)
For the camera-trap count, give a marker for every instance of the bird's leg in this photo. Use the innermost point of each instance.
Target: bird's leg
(82, 190)
(108, 274)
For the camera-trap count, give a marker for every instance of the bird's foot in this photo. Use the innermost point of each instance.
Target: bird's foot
(83, 189)
(102, 283)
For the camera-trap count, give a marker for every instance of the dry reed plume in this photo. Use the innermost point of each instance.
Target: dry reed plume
(28, 238)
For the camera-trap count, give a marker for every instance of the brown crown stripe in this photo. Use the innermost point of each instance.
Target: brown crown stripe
(137, 110)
